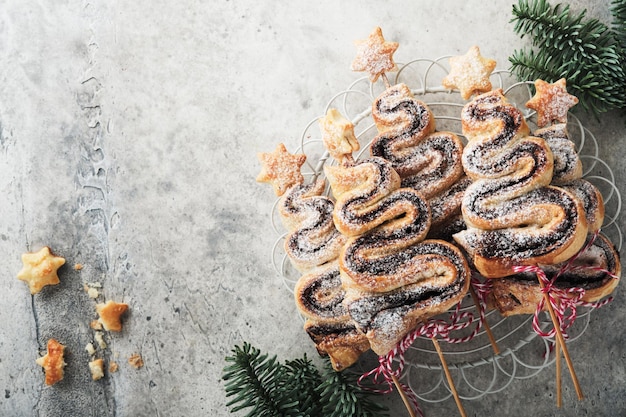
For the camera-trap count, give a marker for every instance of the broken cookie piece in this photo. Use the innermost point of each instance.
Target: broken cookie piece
(110, 315)
(96, 367)
(135, 361)
(40, 269)
(53, 362)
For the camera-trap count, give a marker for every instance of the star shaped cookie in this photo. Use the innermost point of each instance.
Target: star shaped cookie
(470, 73)
(338, 135)
(53, 362)
(40, 269)
(281, 168)
(551, 101)
(374, 55)
(111, 315)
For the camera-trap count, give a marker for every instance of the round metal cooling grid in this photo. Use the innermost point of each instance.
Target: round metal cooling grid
(477, 371)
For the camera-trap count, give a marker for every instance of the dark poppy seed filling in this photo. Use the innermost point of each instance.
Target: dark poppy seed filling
(313, 239)
(319, 331)
(426, 160)
(378, 311)
(323, 296)
(590, 270)
(513, 217)
(567, 165)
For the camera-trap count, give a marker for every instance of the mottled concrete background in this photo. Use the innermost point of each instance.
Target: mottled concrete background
(128, 141)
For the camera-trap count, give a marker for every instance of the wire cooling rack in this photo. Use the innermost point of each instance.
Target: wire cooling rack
(477, 371)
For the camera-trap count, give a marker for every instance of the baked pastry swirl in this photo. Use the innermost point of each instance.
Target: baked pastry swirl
(426, 160)
(308, 215)
(513, 216)
(594, 270)
(319, 297)
(568, 172)
(393, 278)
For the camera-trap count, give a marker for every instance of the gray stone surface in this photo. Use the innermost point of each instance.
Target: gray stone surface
(128, 141)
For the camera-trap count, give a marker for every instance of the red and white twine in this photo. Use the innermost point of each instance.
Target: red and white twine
(383, 374)
(564, 302)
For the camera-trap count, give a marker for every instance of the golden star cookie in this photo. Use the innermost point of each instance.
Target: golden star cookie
(111, 314)
(374, 55)
(338, 135)
(470, 73)
(53, 362)
(551, 102)
(281, 168)
(40, 269)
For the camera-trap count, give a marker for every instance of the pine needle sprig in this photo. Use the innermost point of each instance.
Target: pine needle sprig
(342, 396)
(303, 378)
(618, 11)
(257, 381)
(293, 389)
(584, 51)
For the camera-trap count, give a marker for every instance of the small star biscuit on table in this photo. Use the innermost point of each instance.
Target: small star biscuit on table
(111, 315)
(551, 102)
(53, 362)
(375, 55)
(40, 269)
(470, 73)
(281, 168)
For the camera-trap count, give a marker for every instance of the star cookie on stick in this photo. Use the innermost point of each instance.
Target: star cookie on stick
(53, 362)
(338, 135)
(111, 314)
(375, 55)
(40, 269)
(281, 168)
(551, 101)
(470, 73)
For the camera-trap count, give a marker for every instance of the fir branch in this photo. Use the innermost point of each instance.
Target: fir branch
(256, 381)
(618, 11)
(303, 378)
(583, 51)
(293, 389)
(342, 396)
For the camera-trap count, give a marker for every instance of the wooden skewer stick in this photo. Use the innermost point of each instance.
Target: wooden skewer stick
(407, 404)
(559, 399)
(492, 339)
(385, 80)
(560, 340)
(449, 377)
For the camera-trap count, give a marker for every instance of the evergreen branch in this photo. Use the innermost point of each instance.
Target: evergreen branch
(618, 11)
(583, 51)
(342, 396)
(303, 378)
(255, 381)
(293, 389)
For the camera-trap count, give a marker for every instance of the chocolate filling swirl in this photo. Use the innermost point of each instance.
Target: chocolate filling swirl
(426, 160)
(313, 239)
(513, 216)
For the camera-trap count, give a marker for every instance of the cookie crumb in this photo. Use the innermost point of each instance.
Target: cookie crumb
(135, 361)
(100, 339)
(113, 367)
(96, 367)
(78, 267)
(110, 315)
(90, 348)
